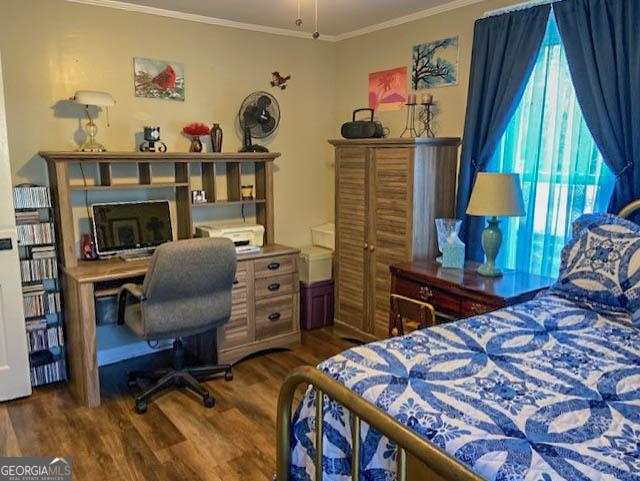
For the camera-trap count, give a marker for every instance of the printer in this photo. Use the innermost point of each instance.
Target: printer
(247, 238)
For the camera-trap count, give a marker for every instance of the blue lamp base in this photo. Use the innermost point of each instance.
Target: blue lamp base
(491, 241)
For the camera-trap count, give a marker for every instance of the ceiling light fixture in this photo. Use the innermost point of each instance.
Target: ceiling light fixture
(299, 19)
(316, 34)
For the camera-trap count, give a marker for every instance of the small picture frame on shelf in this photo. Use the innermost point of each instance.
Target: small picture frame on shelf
(247, 192)
(198, 197)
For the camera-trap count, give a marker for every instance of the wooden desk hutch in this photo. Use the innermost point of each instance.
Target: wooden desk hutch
(263, 316)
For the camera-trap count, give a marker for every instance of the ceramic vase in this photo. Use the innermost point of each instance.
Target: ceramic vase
(216, 138)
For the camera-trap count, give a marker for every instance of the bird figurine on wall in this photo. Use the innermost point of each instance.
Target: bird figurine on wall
(279, 81)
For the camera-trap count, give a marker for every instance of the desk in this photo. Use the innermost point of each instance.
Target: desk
(248, 331)
(460, 293)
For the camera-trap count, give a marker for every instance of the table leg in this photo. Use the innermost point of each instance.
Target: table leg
(80, 323)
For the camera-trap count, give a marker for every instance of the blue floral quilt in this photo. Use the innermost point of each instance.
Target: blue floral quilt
(546, 390)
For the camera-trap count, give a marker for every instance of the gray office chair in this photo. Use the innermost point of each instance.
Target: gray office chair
(187, 291)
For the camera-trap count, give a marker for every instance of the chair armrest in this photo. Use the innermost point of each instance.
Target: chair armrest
(398, 303)
(126, 290)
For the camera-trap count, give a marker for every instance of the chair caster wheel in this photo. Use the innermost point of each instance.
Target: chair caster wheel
(141, 407)
(228, 376)
(209, 401)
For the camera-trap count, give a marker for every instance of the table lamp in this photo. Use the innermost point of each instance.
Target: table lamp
(99, 99)
(495, 195)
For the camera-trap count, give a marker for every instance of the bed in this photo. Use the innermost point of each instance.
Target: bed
(545, 390)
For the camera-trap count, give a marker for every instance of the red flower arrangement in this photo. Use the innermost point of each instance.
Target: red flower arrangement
(196, 129)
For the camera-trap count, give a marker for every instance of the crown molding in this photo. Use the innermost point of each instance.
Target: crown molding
(192, 17)
(394, 22)
(221, 22)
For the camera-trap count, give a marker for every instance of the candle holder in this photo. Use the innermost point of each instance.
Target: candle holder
(426, 116)
(410, 124)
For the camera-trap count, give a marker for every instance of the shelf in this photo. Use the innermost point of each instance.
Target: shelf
(159, 157)
(159, 185)
(107, 292)
(223, 203)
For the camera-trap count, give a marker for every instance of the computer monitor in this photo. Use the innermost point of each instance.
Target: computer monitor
(121, 227)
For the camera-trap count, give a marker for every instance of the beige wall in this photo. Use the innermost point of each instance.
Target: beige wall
(390, 48)
(51, 48)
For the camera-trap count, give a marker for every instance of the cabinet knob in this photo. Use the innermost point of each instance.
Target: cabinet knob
(425, 293)
(365, 246)
(372, 248)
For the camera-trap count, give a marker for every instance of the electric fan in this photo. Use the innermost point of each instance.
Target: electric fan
(259, 117)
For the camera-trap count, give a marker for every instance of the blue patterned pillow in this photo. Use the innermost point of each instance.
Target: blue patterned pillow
(600, 218)
(601, 265)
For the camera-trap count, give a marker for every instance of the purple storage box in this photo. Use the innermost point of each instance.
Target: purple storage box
(316, 304)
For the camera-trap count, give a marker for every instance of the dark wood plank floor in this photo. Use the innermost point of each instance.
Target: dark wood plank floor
(177, 439)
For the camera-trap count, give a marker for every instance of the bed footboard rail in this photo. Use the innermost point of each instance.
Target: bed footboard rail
(361, 411)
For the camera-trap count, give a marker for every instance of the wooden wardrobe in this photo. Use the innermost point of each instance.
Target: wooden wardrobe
(388, 194)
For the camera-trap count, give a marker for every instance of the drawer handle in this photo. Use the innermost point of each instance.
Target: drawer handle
(236, 281)
(425, 293)
(273, 287)
(273, 266)
(274, 316)
(477, 309)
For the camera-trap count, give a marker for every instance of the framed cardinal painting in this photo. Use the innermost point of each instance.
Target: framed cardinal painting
(158, 79)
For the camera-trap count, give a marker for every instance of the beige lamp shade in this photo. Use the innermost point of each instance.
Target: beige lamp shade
(91, 97)
(497, 195)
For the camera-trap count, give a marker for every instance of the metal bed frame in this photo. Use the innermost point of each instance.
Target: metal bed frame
(434, 463)
(438, 463)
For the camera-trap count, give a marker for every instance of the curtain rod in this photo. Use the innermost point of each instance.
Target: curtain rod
(518, 6)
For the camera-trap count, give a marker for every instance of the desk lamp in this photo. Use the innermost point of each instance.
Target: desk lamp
(99, 99)
(495, 195)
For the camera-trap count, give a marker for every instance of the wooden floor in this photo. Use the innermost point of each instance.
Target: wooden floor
(177, 439)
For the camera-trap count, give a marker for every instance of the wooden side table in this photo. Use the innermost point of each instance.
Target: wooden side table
(460, 293)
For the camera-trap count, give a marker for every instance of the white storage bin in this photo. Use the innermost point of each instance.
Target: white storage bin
(315, 264)
(324, 236)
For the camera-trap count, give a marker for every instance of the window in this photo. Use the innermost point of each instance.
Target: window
(561, 169)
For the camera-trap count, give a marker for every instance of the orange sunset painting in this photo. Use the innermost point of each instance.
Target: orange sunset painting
(388, 89)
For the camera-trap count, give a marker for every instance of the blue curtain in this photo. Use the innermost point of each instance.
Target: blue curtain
(505, 48)
(602, 40)
(561, 169)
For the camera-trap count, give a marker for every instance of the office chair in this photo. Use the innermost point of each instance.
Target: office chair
(187, 291)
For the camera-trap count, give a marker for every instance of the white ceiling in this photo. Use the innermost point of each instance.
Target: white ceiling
(337, 18)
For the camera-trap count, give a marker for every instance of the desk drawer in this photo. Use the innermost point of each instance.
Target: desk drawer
(472, 308)
(274, 286)
(274, 266)
(274, 316)
(441, 300)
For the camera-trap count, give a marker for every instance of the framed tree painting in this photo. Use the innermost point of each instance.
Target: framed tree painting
(388, 89)
(435, 64)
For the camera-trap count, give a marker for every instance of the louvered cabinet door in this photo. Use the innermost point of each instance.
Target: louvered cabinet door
(351, 170)
(390, 233)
